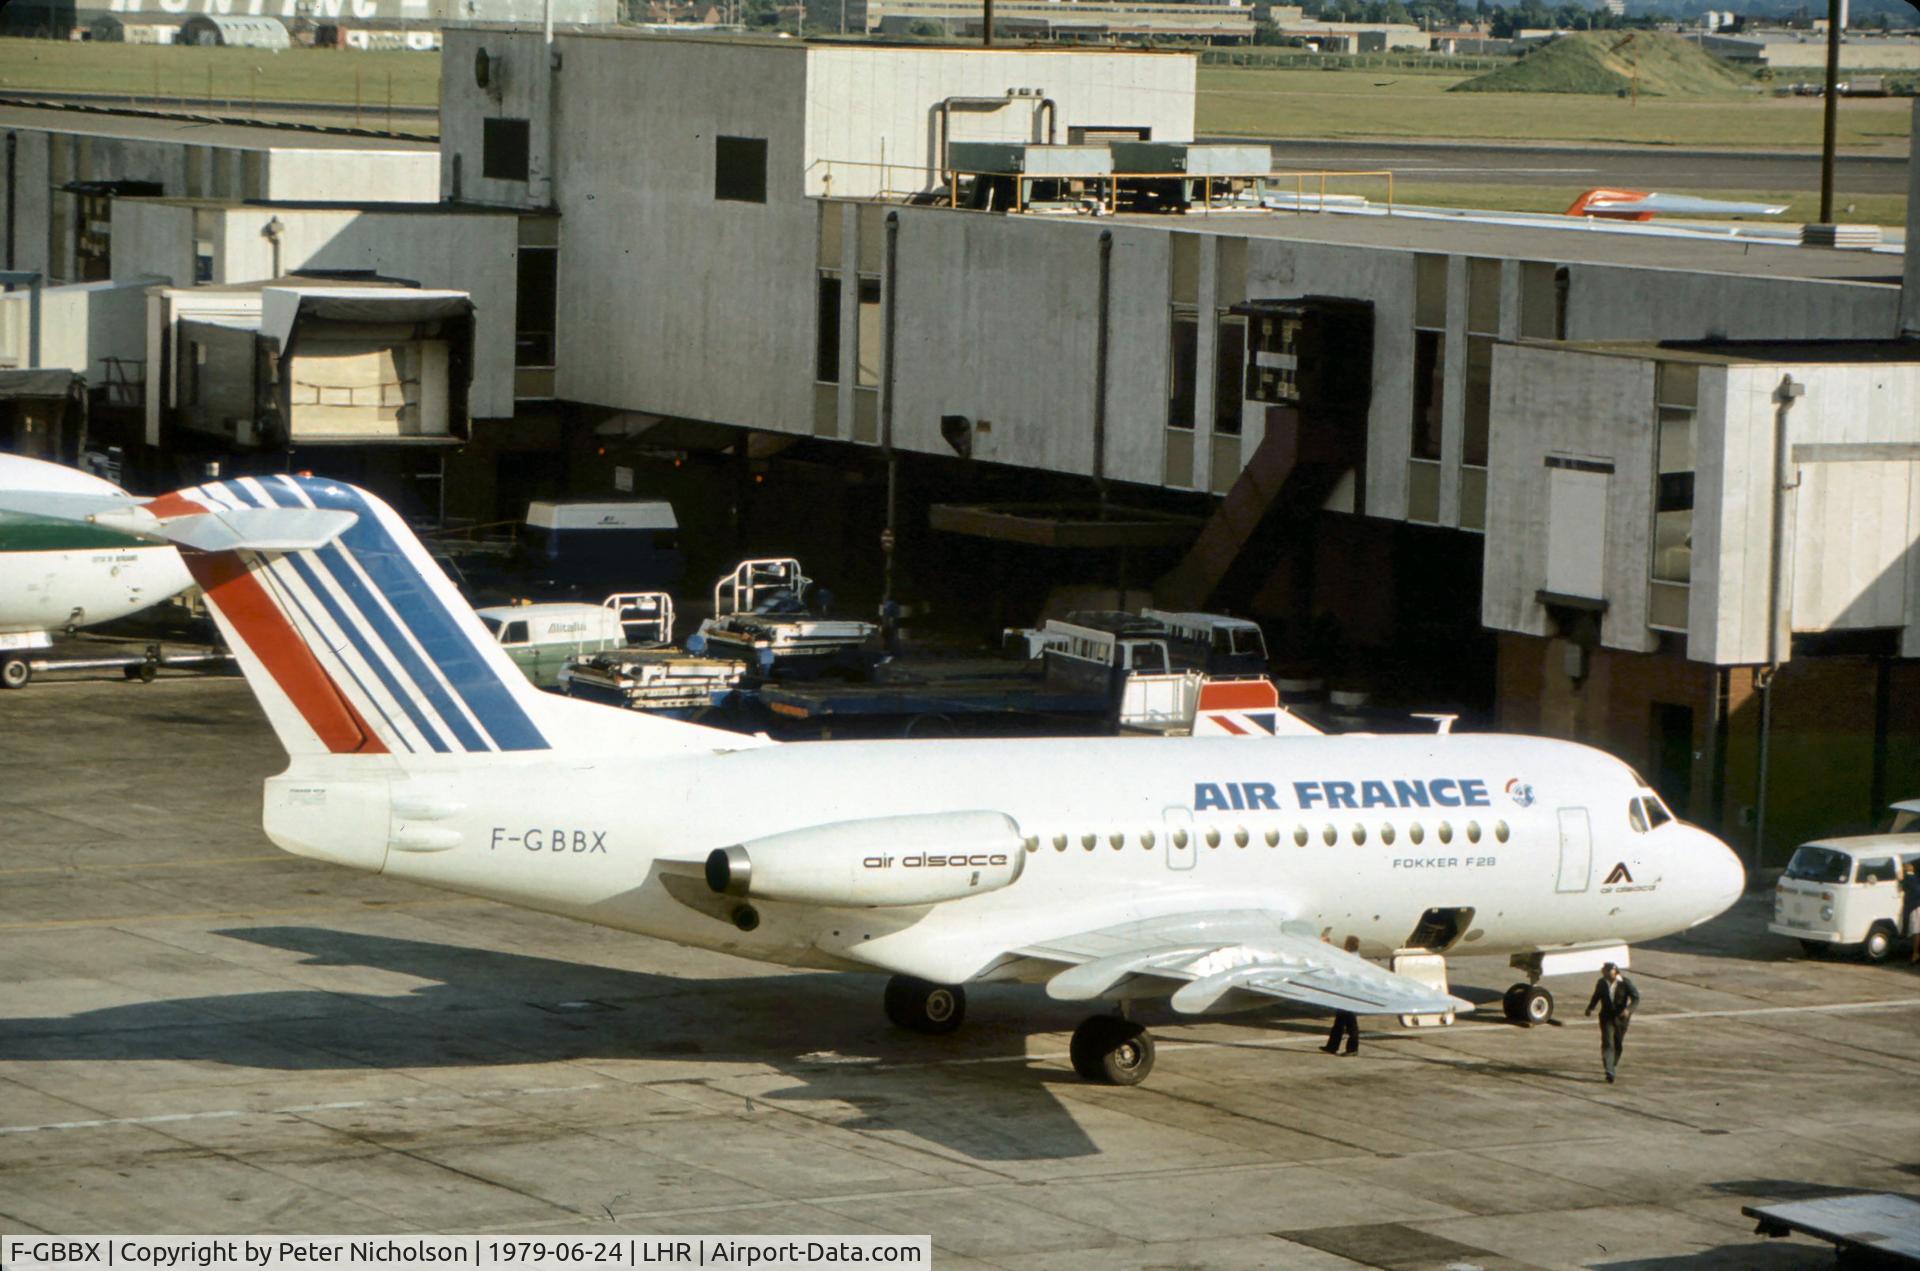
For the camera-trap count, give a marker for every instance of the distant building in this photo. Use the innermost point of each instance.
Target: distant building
(1096, 21)
(211, 30)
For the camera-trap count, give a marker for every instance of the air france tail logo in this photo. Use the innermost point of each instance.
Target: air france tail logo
(1620, 874)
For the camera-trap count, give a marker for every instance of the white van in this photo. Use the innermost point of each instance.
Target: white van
(1846, 891)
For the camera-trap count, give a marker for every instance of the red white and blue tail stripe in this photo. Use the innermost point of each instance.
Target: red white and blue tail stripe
(361, 645)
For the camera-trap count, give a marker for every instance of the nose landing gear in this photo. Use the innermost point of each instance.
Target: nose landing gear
(1527, 1005)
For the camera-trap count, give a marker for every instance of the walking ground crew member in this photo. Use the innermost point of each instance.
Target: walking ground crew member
(1346, 1024)
(1616, 997)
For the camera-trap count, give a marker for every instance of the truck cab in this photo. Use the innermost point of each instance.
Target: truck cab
(1845, 892)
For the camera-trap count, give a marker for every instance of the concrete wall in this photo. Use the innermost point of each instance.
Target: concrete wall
(518, 70)
(1853, 541)
(1617, 302)
(1549, 401)
(676, 302)
(47, 161)
(869, 107)
(357, 176)
(471, 251)
(79, 326)
(1854, 533)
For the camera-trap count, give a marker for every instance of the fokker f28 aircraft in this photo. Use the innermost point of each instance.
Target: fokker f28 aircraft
(1225, 874)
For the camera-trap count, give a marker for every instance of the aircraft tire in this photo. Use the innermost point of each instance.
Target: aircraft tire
(921, 1007)
(1878, 946)
(1537, 1006)
(15, 673)
(1513, 1003)
(1111, 1051)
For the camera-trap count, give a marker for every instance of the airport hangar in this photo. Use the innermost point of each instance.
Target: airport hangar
(1595, 481)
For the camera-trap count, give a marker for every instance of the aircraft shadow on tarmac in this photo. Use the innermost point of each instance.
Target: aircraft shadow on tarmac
(485, 1007)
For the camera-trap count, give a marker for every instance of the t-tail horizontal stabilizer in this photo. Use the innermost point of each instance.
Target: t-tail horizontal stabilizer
(227, 530)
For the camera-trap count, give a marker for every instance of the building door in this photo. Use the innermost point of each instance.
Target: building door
(1672, 747)
(1576, 529)
(1576, 850)
(1181, 848)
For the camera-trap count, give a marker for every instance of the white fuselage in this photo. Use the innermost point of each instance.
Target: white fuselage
(56, 574)
(616, 841)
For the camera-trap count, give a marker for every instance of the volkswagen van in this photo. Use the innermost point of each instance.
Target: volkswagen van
(1845, 892)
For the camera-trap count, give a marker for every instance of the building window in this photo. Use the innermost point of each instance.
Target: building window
(740, 169)
(1183, 379)
(504, 147)
(1483, 328)
(1229, 374)
(867, 350)
(826, 344)
(536, 306)
(1676, 392)
(1429, 392)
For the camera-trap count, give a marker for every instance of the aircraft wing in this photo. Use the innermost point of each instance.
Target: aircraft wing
(1209, 959)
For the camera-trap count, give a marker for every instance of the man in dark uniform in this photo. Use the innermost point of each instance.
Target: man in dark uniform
(1347, 1024)
(1909, 906)
(1616, 997)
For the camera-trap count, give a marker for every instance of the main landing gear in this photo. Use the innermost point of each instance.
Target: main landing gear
(922, 1007)
(1112, 1051)
(1527, 1005)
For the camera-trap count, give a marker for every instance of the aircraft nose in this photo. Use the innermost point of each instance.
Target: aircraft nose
(1719, 877)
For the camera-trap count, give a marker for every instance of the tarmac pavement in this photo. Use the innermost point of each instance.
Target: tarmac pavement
(201, 1034)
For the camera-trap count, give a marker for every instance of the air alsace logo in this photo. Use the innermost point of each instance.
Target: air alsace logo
(979, 860)
(1520, 792)
(1621, 881)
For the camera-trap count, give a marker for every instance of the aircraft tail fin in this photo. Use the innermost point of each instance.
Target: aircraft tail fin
(356, 642)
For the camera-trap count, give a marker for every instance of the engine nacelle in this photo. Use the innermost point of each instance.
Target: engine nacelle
(889, 860)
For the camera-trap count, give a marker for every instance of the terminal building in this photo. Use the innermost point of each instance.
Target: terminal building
(1620, 483)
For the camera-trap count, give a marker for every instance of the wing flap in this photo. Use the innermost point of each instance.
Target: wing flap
(1221, 957)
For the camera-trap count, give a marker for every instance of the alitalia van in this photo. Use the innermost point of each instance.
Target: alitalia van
(1845, 892)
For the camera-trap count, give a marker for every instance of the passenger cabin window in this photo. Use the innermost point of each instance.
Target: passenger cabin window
(740, 169)
(1879, 870)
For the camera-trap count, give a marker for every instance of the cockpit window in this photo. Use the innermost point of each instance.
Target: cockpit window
(1904, 822)
(1819, 865)
(1657, 814)
(1636, 817)
(492, 624)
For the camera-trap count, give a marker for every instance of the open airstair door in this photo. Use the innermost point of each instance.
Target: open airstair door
(1576, 850)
